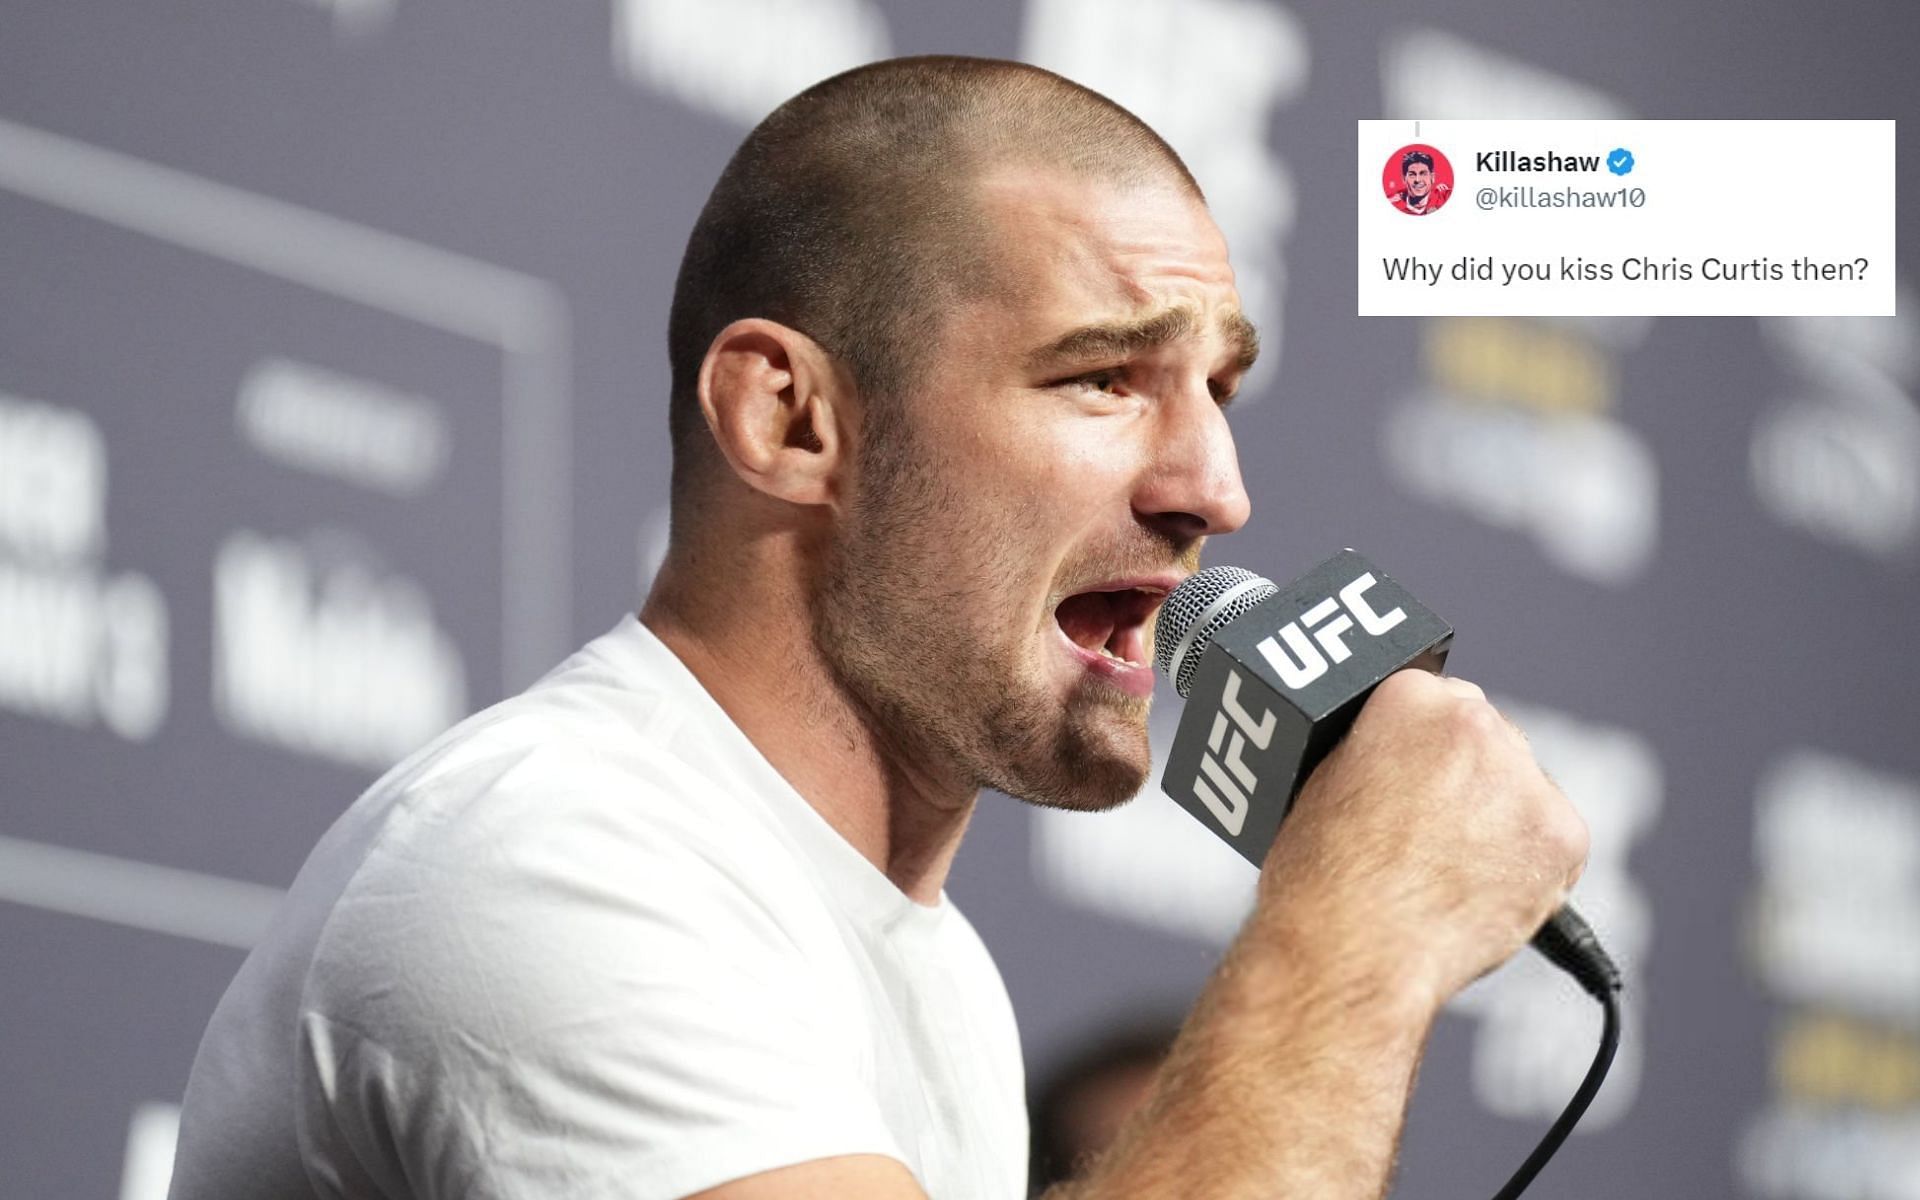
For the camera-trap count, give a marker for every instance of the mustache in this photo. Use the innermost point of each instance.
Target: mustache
(1146, 554)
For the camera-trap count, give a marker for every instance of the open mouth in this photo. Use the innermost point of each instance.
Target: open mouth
(1111, 624)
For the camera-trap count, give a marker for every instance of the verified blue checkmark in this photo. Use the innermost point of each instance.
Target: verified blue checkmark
(1620, 162)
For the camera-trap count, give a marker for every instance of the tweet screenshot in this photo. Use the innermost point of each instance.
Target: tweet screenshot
(1653, 218)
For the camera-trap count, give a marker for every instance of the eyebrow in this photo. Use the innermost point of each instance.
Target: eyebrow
(1121, 339)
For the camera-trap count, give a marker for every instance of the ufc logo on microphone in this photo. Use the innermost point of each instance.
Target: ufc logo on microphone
(1224, 764)
(1299, 661)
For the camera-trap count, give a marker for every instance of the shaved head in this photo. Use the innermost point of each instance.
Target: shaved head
(848, 214)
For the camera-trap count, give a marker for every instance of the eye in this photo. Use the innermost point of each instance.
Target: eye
(1108, 381)
(1223, 392)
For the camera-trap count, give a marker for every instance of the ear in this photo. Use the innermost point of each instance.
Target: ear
(774, 399)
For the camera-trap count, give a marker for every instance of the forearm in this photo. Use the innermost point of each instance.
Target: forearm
(1425, 851)
(1291, 1078)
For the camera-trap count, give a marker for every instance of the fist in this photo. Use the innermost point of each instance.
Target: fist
(1430, 844)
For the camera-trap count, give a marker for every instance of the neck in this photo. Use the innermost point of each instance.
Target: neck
(750, 644)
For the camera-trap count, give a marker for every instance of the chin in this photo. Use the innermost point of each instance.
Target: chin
(1096, 760)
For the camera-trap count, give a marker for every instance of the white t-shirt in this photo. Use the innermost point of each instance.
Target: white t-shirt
(591, 944)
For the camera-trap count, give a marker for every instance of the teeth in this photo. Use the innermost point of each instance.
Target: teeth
(1115, 657)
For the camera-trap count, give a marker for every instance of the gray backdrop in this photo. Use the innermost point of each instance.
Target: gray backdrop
(332, 385)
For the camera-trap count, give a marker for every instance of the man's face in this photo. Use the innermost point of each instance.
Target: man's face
(1009, 535)
(1419, 179)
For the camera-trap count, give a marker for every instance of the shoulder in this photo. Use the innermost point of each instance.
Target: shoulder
(551, 940)
(587, 827)
(534, 871)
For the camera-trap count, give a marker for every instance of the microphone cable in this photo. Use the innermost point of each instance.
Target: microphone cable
(1566, 939)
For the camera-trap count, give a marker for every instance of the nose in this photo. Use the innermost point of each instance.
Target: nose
(1192, 488)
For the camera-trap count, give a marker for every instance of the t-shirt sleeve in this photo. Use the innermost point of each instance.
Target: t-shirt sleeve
(560, 992)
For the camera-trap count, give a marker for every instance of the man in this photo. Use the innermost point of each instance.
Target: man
(950, 346)
(1420, 195)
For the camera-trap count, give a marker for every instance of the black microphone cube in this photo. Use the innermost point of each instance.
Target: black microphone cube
(1280, 685)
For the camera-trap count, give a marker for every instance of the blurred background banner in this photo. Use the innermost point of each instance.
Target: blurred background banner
(332, 407)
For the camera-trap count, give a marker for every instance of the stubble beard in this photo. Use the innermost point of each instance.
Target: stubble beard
(908, 619)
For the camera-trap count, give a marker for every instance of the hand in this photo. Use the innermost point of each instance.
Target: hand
(1428, 847)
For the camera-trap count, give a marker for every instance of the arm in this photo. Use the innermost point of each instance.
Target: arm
(1422, 854)
(851, 1177)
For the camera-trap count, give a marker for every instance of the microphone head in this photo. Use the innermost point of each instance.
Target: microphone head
(1203, 604)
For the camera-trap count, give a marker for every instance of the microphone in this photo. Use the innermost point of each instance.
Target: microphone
(1273, 679)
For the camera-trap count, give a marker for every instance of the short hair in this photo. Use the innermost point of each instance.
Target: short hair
(839, 215)
(1415, 156)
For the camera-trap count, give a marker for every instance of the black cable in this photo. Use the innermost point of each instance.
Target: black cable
(1570, 944)
(1570, 1116)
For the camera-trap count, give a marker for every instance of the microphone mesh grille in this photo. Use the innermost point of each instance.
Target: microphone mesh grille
(1186, 612)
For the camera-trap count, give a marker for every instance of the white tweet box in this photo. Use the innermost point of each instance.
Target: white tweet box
(1616, 218)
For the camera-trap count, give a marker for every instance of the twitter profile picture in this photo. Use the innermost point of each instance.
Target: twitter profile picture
(1418, 179)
